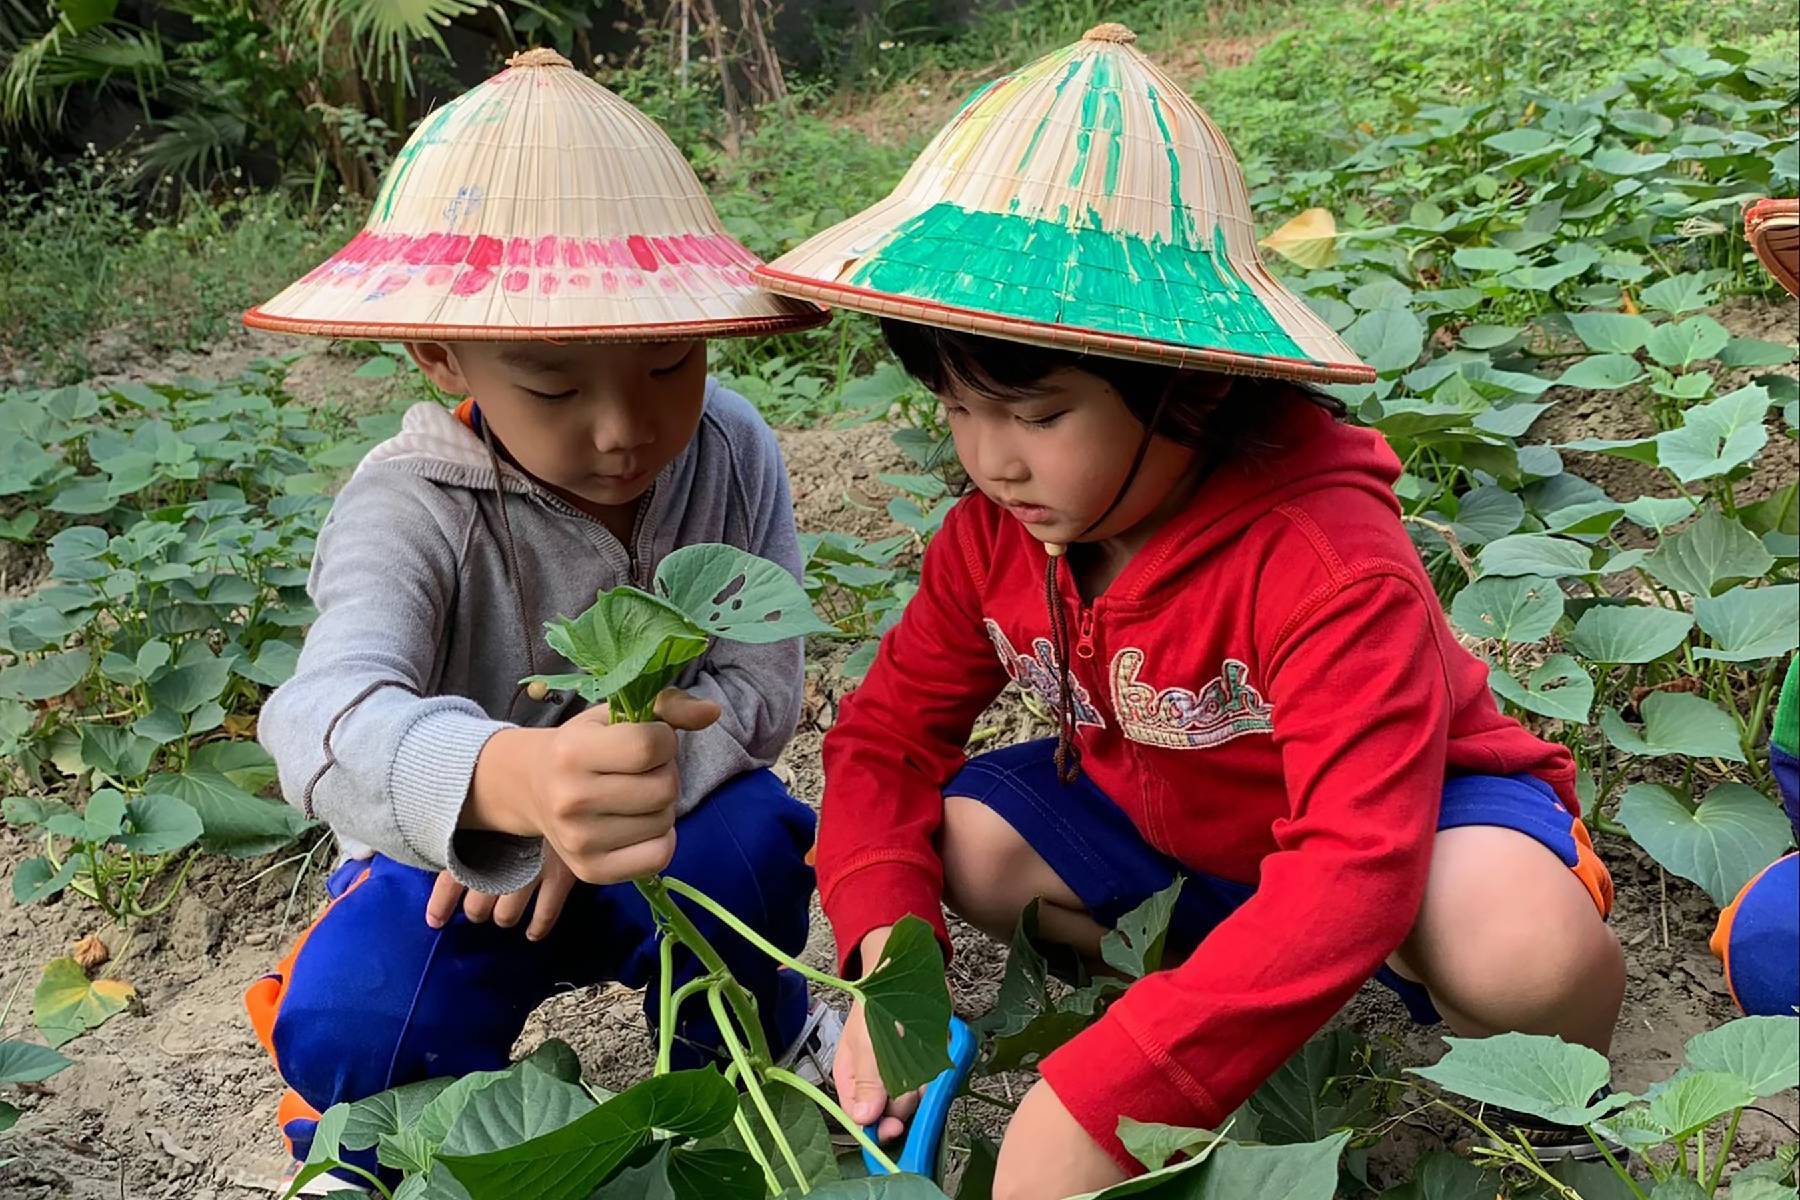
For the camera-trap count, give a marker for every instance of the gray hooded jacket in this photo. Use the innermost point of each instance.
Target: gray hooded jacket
(423, 635)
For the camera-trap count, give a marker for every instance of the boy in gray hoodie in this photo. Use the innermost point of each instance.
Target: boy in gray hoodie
(591, 445)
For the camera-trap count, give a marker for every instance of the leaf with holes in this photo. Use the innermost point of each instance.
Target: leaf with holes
(735, 595)
(1635, 633)
(908, 1008)
(67, 1003)
(1681, 344)
(1560, 689)
(1720, 844)
(1519, 609)
(1709, 556)
(1136, 946)
(1675, 723)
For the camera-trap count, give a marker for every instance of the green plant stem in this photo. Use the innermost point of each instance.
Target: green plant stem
(1525, 1158)
(665, 1036)
(174, 889)
(680, 926)
(754, 1086)
(758, 940)
(836, 1113)
(1718, 1171)
(665, 1004)
(748, 1136)
(1699, 1154)
(376, 1183)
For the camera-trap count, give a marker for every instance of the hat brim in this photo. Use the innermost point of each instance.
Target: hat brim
(1773, 227)
(1059, 336)
(663, 331)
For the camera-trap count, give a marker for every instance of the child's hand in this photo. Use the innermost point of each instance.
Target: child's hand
(853, 1070)
(601, 795)
(552, 887)
(1046, 1155)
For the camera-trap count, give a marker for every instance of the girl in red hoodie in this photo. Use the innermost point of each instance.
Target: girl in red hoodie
(1181, 550)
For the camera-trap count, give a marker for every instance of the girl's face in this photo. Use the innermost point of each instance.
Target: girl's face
(1055, 457)
(595, 421)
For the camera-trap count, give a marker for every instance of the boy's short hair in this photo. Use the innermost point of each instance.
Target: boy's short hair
(1221, 424)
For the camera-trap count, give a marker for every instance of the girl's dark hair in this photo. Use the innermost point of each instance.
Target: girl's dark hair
(1220, 426)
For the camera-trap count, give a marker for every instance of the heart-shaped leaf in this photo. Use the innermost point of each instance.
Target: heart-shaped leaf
(907, 1006)
(35, 879)
(1636, 633)
(1135, 946)
(1544, 1077)
(22, 1062)
(623, 636)
(1680, 344)
(1712, 554)
(1720, 845)
(1536, 554)
(1602, 372)
(1762, 1051)
(1693, 1100)
(1388, 339)
(1308, 241)
(1487, 513)
(1519, 609)
(1715, 439)
(1560, 689)
(232, 821)
(1747, 624)
(159, 824)
(1610, 332)
(737, 596)
(1675, 723)
(67, 1003)
(46, 677)
(1679, 294)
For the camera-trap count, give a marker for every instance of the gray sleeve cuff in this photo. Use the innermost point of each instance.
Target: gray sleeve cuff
(429, 781)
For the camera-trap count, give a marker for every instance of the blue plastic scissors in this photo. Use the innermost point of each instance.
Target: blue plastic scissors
(921, 1153)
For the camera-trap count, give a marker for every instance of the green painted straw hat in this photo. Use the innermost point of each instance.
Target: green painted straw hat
(1084, 202)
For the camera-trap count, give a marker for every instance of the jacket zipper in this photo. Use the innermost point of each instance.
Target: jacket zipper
(1084, 642)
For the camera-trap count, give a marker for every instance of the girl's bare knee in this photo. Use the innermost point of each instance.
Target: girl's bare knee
(991, 872)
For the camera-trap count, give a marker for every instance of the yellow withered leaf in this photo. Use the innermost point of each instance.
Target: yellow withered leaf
(1309, 240)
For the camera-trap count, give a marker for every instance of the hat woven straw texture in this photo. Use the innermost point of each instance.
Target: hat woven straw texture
(1773, 227)
(537, 206)
(1082, 201)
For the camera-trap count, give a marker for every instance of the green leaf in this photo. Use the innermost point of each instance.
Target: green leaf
(1750, 352)
(1441, 1175)
(1629, 633)
(274, 665)
(1747, 624)
(690, 1173)
(737, 596)
(1025, 1022)
(1678, 1187)
(1299, 1172)
(522, 1103)
(22, 1062)
(1715, 439)
(191, 684)
(878, 1187)
(9, 1116)
(115, 752)
(1675, 723)
(1642, 449)
(379, 367)
(1154, 1144)
(1721, 845)
(103, 817)
(1519, 609)
(1760, 1189)
(1388, 339)
(1536, 554)
(1489, 337)
(570, 1162)
(1681, 344)
(1709, 556)
(44, 678)
(1764, 1052)
(1560, 688)
(1317, 1091)
(1680, 294)
(1610, 332)
(1541, 1076)
(159, 824)
(1615, 160)
(35, 880)
(625, 637)
(1487, 513)
(67, 1004)
(1693, 1100)
(1136, 946)
(907, 1007)
(806, 1131)
(245, 763)
(1591, 518)
(1487, 259)
(1602, 372)
(233, 821)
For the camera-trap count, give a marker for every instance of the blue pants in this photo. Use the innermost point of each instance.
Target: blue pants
(1093, 846)
(372, 998)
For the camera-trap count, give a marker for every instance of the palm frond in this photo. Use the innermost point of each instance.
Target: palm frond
(195, 146)
(385, 31)
(40, 75)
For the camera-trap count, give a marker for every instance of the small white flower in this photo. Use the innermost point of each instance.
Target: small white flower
(885, 46)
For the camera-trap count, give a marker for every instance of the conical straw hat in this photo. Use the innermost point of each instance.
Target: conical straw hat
(537, 206)
(1082, 201)
(1773, 227)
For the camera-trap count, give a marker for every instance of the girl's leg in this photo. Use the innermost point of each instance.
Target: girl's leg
(991, 874)
(1509, 939)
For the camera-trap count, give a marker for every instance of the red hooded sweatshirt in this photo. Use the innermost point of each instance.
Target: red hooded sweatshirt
(1269, 690)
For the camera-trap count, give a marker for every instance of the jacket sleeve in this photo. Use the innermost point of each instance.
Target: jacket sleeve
(1361, 713)
(898, 740)
(357, 739)
(758, 688)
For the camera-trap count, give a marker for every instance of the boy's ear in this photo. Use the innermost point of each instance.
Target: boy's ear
(438, 361)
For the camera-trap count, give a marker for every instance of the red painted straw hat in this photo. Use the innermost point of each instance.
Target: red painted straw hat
(537, 206)
(1082, 201)
(1773, 227)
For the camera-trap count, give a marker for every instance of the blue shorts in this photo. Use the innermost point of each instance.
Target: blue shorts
(1096, 850)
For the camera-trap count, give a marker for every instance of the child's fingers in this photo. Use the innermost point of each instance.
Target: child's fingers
(552, 892)
(511, 907)
(679, 710)
(444, 896)
(479, 906)
(628, 862)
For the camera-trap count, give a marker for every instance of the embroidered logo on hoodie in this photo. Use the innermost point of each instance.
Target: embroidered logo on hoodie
(1037, 674)
(1228, 707)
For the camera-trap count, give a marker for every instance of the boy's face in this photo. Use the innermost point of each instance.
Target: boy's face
(594, 420)
(1055, 457)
